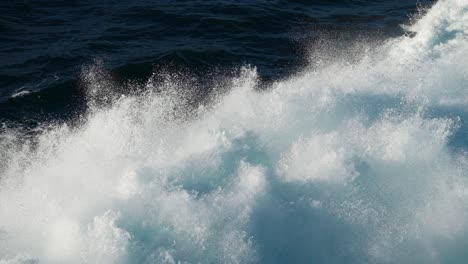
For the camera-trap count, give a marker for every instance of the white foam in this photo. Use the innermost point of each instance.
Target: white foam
(135, 184)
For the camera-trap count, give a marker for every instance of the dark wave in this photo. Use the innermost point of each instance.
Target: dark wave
(46, 43)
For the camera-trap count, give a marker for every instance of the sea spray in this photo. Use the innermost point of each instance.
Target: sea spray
(349, 163)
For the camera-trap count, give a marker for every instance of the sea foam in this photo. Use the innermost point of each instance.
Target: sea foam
(352, 162)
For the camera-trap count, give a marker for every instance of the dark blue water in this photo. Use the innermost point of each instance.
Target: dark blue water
(234, 132)
(45, 44)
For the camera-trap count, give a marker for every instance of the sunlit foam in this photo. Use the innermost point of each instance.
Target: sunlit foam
(352, 161)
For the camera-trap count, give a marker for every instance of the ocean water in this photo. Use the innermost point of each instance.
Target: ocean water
(234, 132)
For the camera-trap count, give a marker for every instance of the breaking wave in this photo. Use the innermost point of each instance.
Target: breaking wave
(346, 162)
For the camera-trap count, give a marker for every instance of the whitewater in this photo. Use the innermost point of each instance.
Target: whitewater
(360, 158)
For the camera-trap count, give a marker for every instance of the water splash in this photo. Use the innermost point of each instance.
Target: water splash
(353, 162)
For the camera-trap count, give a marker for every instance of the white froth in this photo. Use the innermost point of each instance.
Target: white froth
(356, 141)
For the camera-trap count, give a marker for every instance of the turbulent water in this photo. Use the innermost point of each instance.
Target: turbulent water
(361, 157)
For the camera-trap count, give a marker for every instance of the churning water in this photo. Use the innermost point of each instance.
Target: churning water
(359, 158)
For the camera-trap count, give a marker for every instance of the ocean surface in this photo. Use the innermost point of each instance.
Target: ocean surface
(234, 131)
